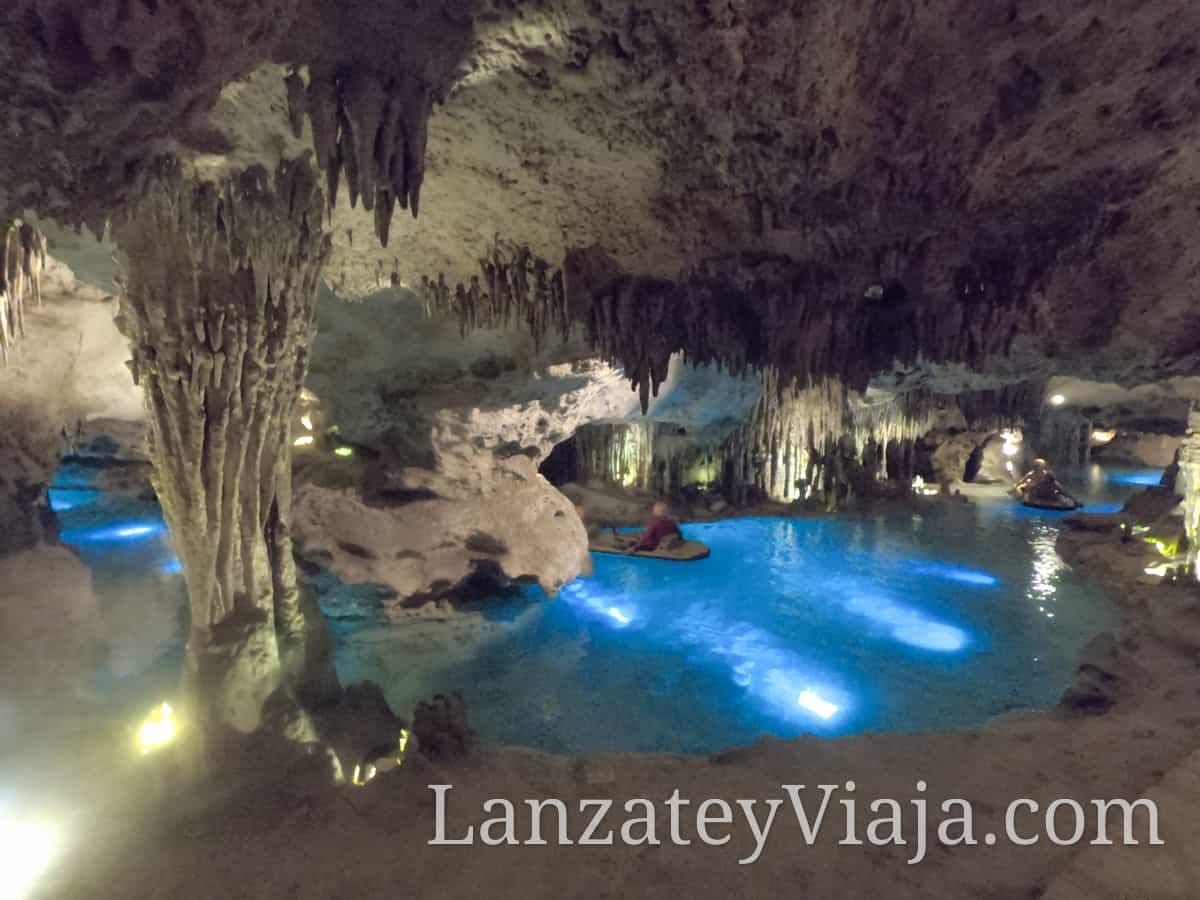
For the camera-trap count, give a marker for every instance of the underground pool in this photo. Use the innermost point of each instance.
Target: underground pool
(900, 620)
(936, 617)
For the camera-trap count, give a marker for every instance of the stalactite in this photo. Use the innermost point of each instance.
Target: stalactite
(1008, 406)
(744, 313)
(218, 307)
(370, 128)
(1065, 436)
(20, 281)
(826, 441)
(513, 288)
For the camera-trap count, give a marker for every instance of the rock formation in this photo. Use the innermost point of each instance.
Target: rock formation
(20, 280)
(446, 435)
(1188, 484)
(218, 308)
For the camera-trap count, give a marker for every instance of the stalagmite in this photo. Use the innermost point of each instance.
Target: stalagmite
(218, 306)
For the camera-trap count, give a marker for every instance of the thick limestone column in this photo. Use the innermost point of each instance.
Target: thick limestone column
(220, 288)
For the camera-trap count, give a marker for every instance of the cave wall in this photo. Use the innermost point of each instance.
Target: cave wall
(65, 383)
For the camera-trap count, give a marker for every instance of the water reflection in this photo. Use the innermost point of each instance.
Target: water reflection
(1046, 566)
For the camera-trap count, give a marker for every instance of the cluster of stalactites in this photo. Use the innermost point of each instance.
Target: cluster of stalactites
(372, 129)
(1009, 406)
(746, 314)
(20, 280)
(796, 441)
(517, 288)
(266, 225)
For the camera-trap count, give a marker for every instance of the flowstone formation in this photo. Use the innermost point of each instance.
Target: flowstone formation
(220, 290)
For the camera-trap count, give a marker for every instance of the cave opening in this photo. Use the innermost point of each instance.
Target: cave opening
(561, 465)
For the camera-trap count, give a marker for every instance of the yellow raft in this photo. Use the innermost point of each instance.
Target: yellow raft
(687, 551)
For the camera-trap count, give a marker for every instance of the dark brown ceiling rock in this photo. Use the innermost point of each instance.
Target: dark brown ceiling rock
(1027, 163)
(95, 90)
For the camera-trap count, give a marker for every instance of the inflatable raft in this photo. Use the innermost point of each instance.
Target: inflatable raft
(688, 551)
(1059, 502)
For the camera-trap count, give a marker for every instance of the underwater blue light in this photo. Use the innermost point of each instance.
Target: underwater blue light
(64, 499)
(762, 664)
(594, 601)
(909, 625)
(129, 531)
(172, 566)
(1141, 478)
(959, 574)
(814, 703)
(932, 636)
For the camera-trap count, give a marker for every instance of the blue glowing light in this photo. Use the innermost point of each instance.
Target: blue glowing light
(958, 573)
(908, 625)
(814, 703)
(64, 499)
(172, 566)
(761, 663)
(128, 531)
(932, 636)
(1140, 478)
(594, 601)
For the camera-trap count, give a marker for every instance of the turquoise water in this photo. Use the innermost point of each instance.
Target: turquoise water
(899, 620)
(141, 617)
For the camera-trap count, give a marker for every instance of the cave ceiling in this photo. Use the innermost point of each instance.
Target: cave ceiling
(1029, 169)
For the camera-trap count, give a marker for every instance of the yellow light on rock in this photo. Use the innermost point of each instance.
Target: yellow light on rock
(303, 441)
(344, 451)
(920, 487)
(363, 775)
(1158, 571)
(158, 729)
(1058, 400)
(1100, 438)
(306, 421)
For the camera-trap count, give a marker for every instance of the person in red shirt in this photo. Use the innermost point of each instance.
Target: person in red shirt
(660, 526)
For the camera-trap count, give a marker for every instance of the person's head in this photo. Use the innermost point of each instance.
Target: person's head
(1039, 463)
(660, 508)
